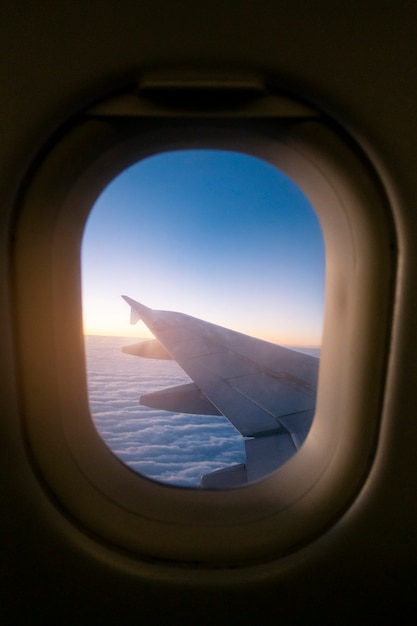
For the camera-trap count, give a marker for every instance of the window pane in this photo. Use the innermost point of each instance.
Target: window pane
(221, 236)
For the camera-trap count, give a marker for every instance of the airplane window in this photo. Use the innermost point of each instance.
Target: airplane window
(220, 258)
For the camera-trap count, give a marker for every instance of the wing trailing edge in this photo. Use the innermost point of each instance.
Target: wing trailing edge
(182, 399)
(264, 455)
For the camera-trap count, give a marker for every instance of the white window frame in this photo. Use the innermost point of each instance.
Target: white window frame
(300, 500)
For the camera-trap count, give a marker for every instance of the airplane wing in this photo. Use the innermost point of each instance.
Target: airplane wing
(266, 391)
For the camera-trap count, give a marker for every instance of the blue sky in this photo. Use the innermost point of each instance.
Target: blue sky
(219, 235)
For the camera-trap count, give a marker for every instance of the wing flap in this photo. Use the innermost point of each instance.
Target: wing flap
(298, 425)
(225, 478)
(264, 455)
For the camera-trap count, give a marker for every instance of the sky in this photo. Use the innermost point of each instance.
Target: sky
(219, 235)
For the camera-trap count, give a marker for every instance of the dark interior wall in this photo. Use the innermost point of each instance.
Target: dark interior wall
(358, 62)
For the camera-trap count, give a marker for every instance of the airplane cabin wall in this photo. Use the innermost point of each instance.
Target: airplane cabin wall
(356, 61)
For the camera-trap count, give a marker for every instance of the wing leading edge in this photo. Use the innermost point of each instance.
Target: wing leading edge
(266, 391)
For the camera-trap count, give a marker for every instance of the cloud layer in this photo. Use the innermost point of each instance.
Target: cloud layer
(175, 448)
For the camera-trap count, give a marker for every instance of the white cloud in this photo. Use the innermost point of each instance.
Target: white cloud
(175, 448)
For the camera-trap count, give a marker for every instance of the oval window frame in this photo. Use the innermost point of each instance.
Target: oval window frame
(260, 521)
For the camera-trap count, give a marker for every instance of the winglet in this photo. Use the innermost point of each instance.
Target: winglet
(134, 314)
(136, 309)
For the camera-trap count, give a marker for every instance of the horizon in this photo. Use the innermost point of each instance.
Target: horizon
(140, 338)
